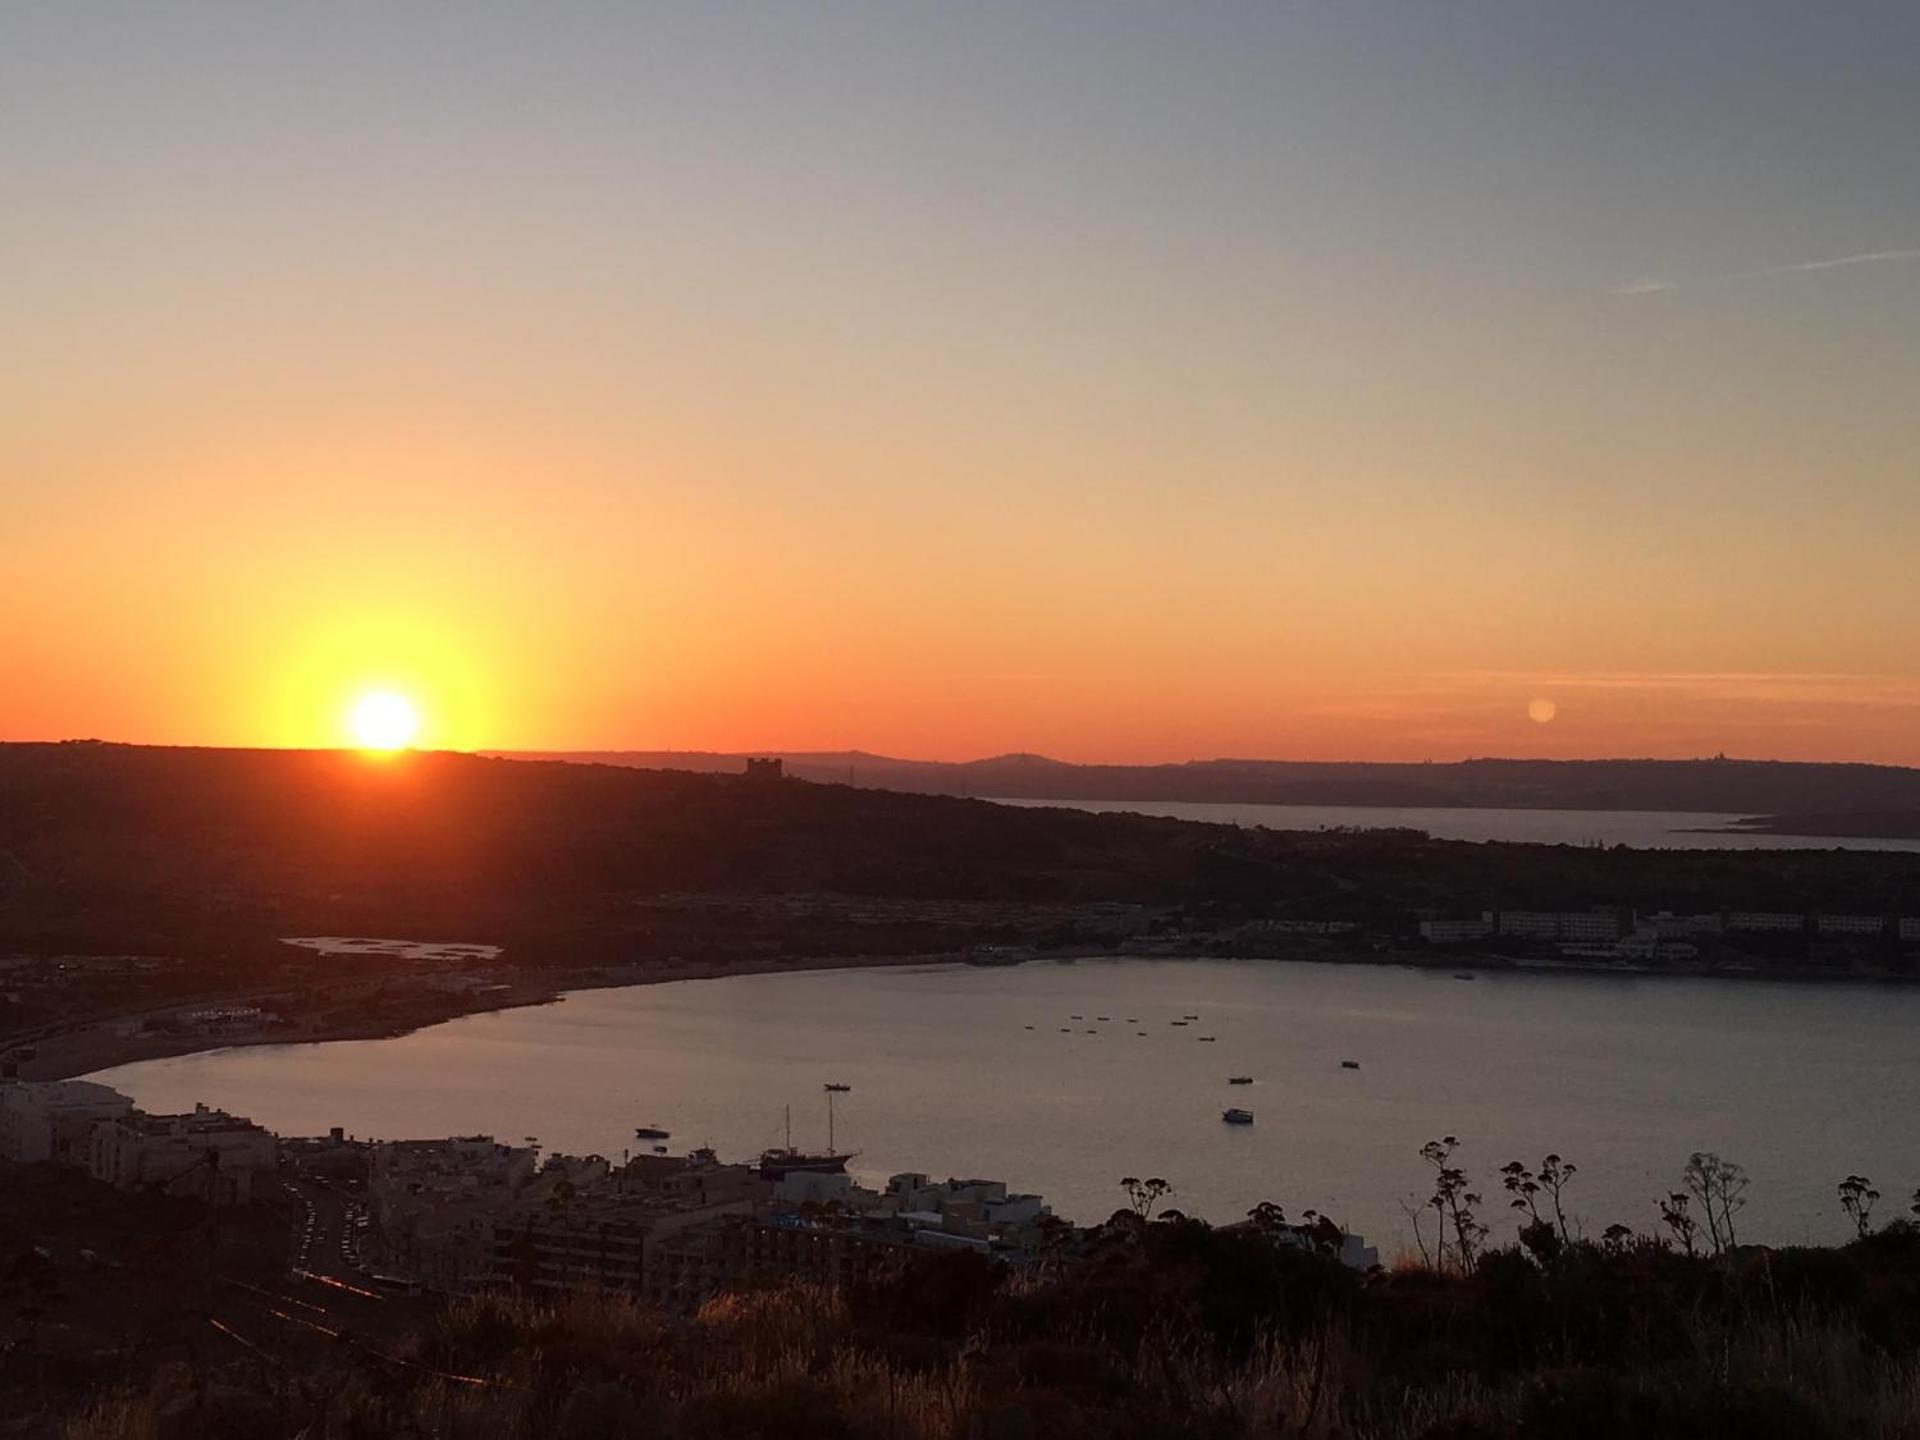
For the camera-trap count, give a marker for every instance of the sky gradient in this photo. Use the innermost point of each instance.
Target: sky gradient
(1122, 382)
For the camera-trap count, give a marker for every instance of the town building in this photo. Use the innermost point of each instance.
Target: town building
(603, 1242)
(1850, 924)
(435, 1202)
(1456, 932)
(1668, 926)
(1775, 921)
(209, 1153)
(578, 1227)
(1566, 925)
(52, 1121)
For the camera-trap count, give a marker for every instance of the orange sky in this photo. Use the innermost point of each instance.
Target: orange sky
(1275, 385)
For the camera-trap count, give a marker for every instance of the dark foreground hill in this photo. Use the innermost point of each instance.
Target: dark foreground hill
(1138, 1330)
(1719, 786)
(124, 849)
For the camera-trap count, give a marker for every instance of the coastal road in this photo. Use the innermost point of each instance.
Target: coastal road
(324, 1245)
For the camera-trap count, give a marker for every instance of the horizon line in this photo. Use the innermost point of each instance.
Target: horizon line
(522, 753)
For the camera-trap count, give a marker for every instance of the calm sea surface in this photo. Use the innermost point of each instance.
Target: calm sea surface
(1642, 829)
(1802, 1083)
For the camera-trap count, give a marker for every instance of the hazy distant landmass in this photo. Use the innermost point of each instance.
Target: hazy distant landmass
(1884, 799)
(126, 847)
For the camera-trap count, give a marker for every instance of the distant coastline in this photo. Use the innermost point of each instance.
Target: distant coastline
(1867, 825)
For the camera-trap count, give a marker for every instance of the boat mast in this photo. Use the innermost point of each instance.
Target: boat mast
(829, 1120)
(789, 1127)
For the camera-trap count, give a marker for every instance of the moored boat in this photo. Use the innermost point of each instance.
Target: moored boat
(1237, 1116)
(784, 1160)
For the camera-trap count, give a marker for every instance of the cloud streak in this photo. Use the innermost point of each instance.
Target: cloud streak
(1633, 288)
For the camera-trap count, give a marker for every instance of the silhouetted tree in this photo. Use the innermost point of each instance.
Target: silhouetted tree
(1453, 1203)
(1857, 1197)
(1676, 1213)
(1268, 1220)
(1720, 1187)
(1546, 1238)
(1143, 1195)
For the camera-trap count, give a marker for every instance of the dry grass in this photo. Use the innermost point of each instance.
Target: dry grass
(776, 1361)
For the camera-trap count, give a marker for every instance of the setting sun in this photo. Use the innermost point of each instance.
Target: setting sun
(383, 720)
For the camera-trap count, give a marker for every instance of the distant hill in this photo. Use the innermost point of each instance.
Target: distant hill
(122, 849)
(1739, 787)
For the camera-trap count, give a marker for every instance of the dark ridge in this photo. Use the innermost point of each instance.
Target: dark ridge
(122, 849)
(1720, 786)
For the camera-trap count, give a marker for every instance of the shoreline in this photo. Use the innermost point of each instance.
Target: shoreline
(98, 1045)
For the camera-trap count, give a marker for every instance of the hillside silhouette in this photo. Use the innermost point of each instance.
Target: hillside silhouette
(1843, 793)
(128, 848)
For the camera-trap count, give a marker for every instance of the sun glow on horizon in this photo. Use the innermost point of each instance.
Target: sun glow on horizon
(383, 720)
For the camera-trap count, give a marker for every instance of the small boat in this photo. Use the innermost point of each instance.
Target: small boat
(650, 1132)
(1349, 1064)
(1076, 1017)
(1237, 1116)
(1190, 1017)
(1141, 1033)
(1465, 975)
(1093, 1032)
(837, 1088)
(1103, 1017)
(1133, 1019)
(1029, 1027)
(1065, 1031)
(1240, 1080)
(1207, 1039)
(1176, 1022)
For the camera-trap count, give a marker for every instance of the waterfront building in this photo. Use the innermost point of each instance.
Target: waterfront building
(1456, 932)
(209, 1153)
(1850, 924)
(1568, 925)
(1777, 921)
(1669, 926)
(982, 1210)
(52, 1121)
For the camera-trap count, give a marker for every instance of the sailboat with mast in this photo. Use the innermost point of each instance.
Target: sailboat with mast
(783, 1160)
